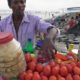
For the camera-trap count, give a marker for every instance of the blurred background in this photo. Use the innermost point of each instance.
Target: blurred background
(56, 12)
(43, 8)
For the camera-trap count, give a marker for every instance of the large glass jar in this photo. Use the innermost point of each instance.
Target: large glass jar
(12, 60)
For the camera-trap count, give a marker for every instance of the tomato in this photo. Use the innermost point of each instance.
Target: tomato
(52, 64)
(39, 67)
(41, 74)
(52, 78)
(69, 67)
(69, 77)
(76, 77)
(78, 64)
(44, 78)
(36, 76)
(76, 70)
(60, 77)
(28, 76)
(28, 57)
(22, 75)
(32, 65)
(29, 71)
(55, 70)
(47, 70)
(73, 64)
(63, 71)
(34, 59)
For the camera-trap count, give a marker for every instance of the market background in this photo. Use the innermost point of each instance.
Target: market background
(45, 9)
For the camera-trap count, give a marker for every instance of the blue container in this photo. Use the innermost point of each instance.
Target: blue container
(39, 43)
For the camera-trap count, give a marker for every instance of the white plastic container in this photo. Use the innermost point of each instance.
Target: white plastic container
(12, 60)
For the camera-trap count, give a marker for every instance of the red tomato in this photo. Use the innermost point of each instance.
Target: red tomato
(76, 70)
(55, 70)
(28, 57)
(44, 78)
(73, 64)
(34, 59)
(36, 76)
(29, 71)
(32, 65)
(76, 77)
(22, 75)
(47, 70)
(41, 74)
(69, 67)
(63, 71)
(52, 64)
(52, 78)
(69, 77)
(28, 76)
(62, 64)
(39, 67)
(61, 78)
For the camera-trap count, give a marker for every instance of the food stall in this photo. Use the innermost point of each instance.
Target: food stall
(33, 67)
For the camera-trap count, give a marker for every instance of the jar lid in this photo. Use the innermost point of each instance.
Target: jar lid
(5, 37)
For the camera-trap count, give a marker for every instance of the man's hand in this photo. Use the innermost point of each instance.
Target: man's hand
(47, 50)
(53, 33)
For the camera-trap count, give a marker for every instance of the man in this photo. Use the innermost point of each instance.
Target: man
(24, 26)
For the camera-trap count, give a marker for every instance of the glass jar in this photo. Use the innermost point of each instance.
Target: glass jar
(12, 60)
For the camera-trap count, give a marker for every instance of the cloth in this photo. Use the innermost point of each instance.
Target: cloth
(27, 28)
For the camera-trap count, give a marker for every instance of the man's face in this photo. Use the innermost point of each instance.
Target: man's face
(18, 6)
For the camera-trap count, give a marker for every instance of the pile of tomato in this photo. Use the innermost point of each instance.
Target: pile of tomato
(49, 71)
